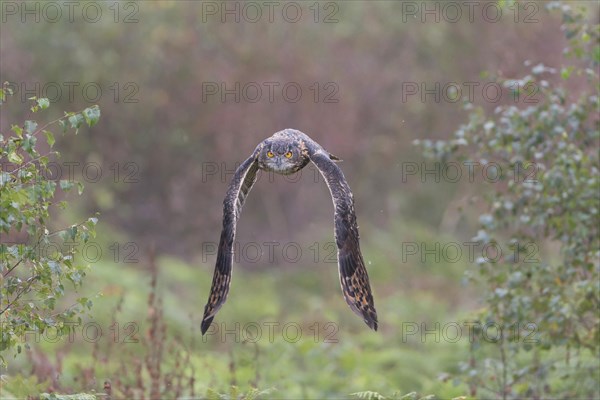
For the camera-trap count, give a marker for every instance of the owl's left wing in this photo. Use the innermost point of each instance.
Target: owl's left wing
(240, 186)
(353, 274)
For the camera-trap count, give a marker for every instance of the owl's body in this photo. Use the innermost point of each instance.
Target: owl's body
(287, 152)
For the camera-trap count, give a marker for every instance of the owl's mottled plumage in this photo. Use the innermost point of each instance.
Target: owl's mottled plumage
(270, 155)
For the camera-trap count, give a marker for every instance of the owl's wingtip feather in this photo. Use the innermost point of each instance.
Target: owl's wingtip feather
(205, 324)
(371, 321)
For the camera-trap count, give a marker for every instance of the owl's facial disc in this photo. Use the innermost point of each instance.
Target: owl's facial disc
(280, 158)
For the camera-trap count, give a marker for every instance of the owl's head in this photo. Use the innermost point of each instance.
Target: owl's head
(283, 155)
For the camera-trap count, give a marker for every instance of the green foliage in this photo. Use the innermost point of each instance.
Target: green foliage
(546, 196)
(370, 395)
(79, 396)
(329, 364)
(20, 387)
(236, 393)
(35, 271)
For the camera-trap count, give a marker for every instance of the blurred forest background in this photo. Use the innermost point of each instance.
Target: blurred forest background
(170, 138)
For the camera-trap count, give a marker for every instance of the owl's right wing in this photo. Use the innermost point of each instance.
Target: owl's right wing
(353, 274)
(240, 186)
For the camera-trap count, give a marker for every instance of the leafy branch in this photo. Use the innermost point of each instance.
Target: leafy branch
(26, 193)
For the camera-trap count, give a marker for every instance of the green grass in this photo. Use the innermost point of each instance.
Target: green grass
(335, 355)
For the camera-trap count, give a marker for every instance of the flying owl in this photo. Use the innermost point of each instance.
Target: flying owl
(286, 152)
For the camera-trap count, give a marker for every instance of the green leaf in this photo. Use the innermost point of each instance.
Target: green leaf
(585, 37)
(30, 126)
(66, 185)
(13, 157)
(565, 73)
(63, 125)
(76, 120)
(17, 130)
(49, 138)
(50, 302)
(91, 115)
(54, 267)
(5, 178)
(29, 144)
(43, 103)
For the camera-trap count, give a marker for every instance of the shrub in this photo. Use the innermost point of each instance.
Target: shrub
(35, 271)
(546, 196)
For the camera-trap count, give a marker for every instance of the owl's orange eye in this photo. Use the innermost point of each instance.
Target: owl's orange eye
(288, 154)
(270, 154)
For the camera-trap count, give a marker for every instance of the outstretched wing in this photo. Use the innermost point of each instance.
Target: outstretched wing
(242, 182)
(353, 274)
